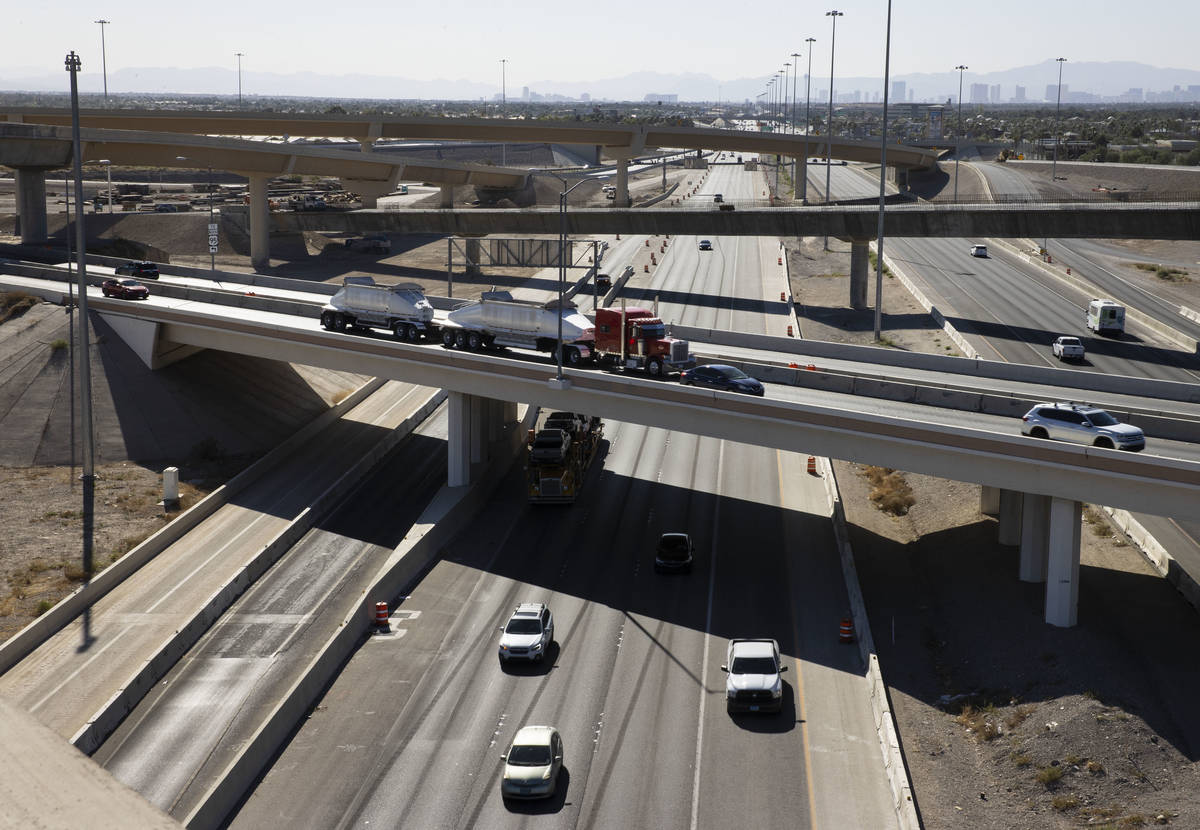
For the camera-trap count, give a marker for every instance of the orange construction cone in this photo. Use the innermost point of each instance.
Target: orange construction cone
(846, 630)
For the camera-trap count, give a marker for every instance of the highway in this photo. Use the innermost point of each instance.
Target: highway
(411, 732)
(175, 743)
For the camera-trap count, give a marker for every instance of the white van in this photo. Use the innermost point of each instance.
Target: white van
(1106, 317)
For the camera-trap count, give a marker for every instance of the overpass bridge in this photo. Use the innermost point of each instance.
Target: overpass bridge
(1040, 485)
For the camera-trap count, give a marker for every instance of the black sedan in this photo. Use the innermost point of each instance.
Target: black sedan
(718, 376)
(144, 270)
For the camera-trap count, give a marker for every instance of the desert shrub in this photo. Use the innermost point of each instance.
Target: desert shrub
(889, 490)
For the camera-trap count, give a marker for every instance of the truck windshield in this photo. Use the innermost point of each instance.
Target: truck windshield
(753, 665)
(653, 330)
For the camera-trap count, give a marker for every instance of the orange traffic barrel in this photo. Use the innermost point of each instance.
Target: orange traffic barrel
(811, 367)
(812, 465)
(790, 332)
(793, 365)
(381, 614)
(647, 243)
(781, 260)
(653, 261)
(846, 631)
(782, 296)
(618, 236)
(646, 269)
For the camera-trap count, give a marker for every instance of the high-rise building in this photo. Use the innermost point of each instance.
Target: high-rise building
(979, 94)
(1052, 91)
(994, 93)
(898, 90)
(1019, 95)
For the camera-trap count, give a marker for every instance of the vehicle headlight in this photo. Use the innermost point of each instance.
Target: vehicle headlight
(546, 774)
(537, 646)
(730, 692)
(777, 689)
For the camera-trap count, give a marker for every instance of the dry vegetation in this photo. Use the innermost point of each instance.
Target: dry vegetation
(890, 492)
(1163, 272)
(15, 303)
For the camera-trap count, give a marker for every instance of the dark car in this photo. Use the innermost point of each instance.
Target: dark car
(126, 289)
(717, 376)
(603, 282)
(145, 270)
(674, 553)
(705, 245)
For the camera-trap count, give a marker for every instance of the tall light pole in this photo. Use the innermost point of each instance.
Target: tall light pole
(88, 477)
(1057, 109)
(835, 14)
(958, 137)
(104, 58)
(239, 57)
(792, 122)
(503, 107)
(887, 65)
(807, 117)
(562, 269)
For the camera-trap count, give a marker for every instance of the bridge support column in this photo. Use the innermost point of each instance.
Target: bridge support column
(800, 179)
(859, 260)
(1035, 519)
(474, 423)
(622, 196)
(447, 196)
(260, 221)
(474, 248)
(31, 204)
(1010, 517)
(1062, 571)
(989, 500)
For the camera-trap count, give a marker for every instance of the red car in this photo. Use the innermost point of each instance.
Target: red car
(124, 289)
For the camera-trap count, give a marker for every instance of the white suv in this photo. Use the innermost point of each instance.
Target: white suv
(1081, 424)
(528, 634)
(754, 683)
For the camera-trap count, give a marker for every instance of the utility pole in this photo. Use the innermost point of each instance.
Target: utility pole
(835, 14)
(104, 57)
(1057, 110)
(239, 57)
(958, 137)
(807, 118)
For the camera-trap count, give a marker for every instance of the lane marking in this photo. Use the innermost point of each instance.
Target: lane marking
(712, 574)
(808, 774)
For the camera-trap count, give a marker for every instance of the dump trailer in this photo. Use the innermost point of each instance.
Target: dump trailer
(361, 304)
(496, 320)
(559, 449)
(636, 338)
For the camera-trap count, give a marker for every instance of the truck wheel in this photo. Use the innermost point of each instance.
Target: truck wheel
(460, 339)
(327, 320)
(474, 341)
(413, 333)
(448, 338)
(400, 331)
(571, 356)
(339, 322)
(654, 369)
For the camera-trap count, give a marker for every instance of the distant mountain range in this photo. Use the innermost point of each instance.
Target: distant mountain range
(1106, 79)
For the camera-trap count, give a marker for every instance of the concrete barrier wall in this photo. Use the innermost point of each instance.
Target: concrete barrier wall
(108, 717)
(1167, 566)
(23, 643)
(441, 520)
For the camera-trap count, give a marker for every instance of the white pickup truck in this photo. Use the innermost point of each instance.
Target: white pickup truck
(1068, 348)
(754, 683)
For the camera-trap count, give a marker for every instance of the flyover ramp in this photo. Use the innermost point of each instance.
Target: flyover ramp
(141, 625)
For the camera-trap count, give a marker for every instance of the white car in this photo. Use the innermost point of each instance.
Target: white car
(754, 683)
(528, 633)
(532, 763)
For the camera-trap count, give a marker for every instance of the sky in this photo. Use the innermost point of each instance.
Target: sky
(581, 41)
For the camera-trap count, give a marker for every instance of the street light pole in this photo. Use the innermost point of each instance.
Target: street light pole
(958, 137)
(73, 65)
(108, 177)
(807, 117)
(104, 57)
(212, 226)
(792, 122)
(562, 270)
(239, 57)
(503, 108)
(887, 65)
(835, 14)
(1057, 109)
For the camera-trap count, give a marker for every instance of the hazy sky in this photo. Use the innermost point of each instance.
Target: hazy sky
(586, 39)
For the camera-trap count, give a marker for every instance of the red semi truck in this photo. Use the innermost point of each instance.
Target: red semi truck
(636, 338)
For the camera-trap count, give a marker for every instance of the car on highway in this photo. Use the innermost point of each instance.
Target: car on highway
(718, 198)
(532, 763)
(1068, 348)
(126, 289)
(754, 683)
(166, 208)
(719, 376)
(979, 251)
(1081, 424)
(705, 245)
(144, 270)
(376, 243)
(528, 633)
(674, 553)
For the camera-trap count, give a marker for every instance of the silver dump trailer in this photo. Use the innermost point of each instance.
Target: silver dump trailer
(497, 320)
(360, 304)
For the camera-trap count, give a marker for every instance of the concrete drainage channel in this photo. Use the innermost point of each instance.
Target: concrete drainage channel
(109, 716)
(446, 513)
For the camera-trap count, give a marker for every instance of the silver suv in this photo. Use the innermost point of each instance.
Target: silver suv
(1082, 424)
(528, 634)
